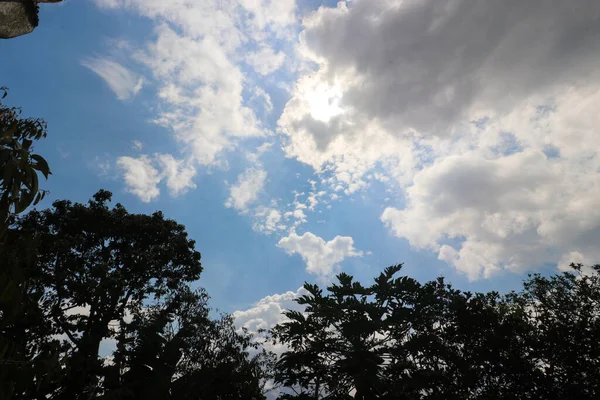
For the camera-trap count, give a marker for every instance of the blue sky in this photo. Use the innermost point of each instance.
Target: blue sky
(296, 139)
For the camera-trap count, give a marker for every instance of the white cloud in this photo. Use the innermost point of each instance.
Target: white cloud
(266, 314)
(143, 174)
(337, 142)
(277, 15)
(108, 3)
(254, 157)
(102, 166)
(267, 220)
(313, 199)
(573, 257)
(140, 177)
(178, 174)
(122, 81)
(299, 214)
(482, 112)
(268, 311)
(247, 189)
(195, 61)
(137, 145)
(201, 91)
(507, 211)
(321, 257)
(265, 61)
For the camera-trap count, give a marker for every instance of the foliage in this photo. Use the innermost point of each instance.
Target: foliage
(103, 275)
(400, 339)
(174, 350)
(19, 166)
(564, 310)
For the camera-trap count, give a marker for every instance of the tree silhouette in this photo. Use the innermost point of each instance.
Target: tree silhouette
(19, 166)
(103, 275)
(172, 349)
(19, 188)
(400, 339)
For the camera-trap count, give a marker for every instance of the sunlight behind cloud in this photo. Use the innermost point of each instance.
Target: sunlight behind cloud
(324, 102)
(458, 118)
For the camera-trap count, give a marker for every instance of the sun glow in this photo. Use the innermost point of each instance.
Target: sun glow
(324, 102)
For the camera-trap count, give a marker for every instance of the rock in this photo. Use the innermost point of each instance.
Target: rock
(17, 17)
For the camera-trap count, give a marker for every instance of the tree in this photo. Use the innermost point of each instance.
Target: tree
(399, 339)
(564, 310)
(173, 350)
(342, 345)
(105, 261)
(103, 275)
(19, 168)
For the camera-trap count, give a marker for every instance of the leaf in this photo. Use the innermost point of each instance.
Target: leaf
(28, 173)
(10, 132)
(38, 197)
(41, 165)
(9, 170)
(24, 201)
(35, 183)
(4, 155)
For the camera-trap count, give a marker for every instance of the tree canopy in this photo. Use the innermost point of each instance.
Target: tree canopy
(101, 275)
(109, 312)
(19, 165)
(19, 188)
(400, 339)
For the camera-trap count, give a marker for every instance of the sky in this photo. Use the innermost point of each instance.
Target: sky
(296, 139)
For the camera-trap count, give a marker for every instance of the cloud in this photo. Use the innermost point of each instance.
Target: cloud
(137, 145)
(102, 166)
(267, 220)
(265, 61)
(573, 257)
(122, 81)
(481, 113)
(143, 174)
(201, 91)
(108, 3)
(194, 61)
(321, 257)
(263, 98)
(267, 312)
(514, 210)
(177, 173)
(140, 177)
(245, 192)
(391, 74)
(413, 60)
(265, 315)
(278, 16)
(337, 142)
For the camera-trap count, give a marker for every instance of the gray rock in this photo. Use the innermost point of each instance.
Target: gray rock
(17, 17)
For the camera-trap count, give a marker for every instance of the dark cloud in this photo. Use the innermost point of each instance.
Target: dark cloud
(428, 64)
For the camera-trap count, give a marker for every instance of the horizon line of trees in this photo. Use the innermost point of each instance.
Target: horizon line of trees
(97, 303)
